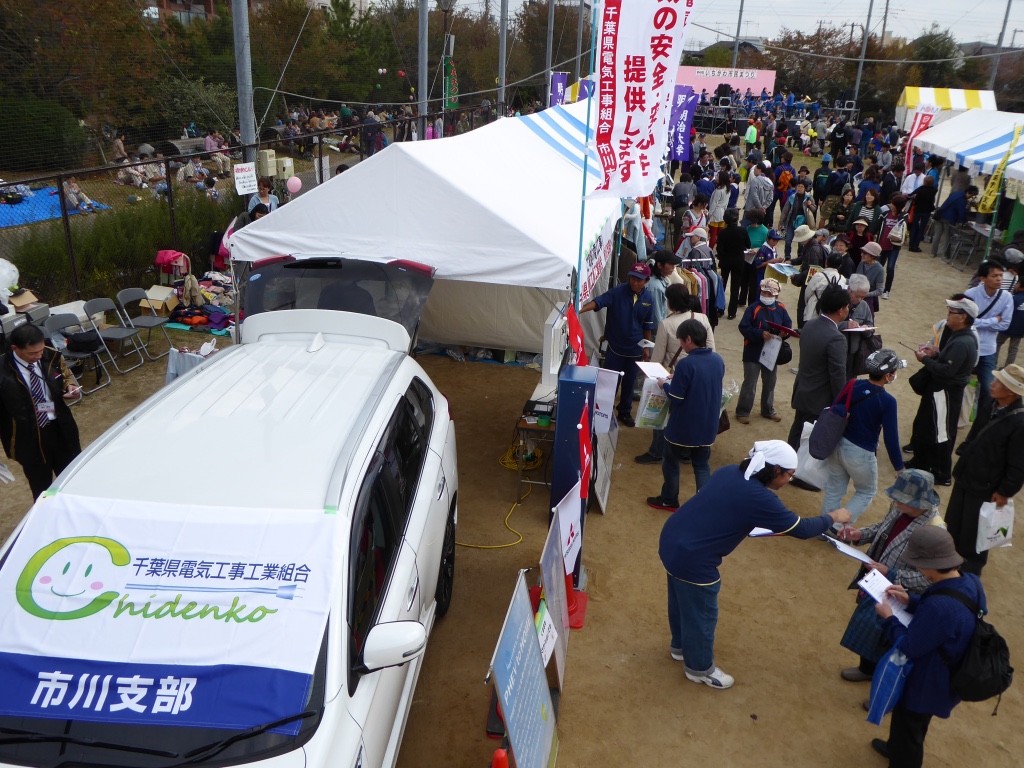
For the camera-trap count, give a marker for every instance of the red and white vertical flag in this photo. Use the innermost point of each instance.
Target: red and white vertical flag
(576, 341)
(923, 117)
(639, 47)
(586, 449)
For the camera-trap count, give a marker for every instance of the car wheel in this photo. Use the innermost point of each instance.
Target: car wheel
(446, 574)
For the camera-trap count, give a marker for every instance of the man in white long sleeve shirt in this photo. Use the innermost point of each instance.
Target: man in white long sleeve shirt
(995, 309)
(913, 180)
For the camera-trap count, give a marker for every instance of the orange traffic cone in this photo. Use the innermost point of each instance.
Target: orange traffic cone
(577, 603)
(500, 759)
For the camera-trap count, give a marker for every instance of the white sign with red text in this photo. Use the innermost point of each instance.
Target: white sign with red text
(639, 45)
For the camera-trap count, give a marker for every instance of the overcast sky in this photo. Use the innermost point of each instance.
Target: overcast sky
(969, 20)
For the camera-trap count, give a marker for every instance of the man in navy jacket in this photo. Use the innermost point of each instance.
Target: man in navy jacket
(695, 401)
(952, 213)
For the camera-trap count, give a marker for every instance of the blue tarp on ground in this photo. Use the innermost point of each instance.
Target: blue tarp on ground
(44, 204)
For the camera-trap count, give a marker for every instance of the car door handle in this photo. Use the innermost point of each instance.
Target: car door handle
(413, 589)
(440, 486)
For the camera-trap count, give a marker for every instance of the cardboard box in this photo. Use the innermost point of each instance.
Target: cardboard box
(23, 299)
(76, 308)
(162, 298)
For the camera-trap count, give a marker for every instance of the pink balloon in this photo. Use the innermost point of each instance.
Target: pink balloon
(294, 184)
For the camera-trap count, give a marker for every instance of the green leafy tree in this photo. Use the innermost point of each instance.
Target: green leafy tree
(933, 45)
(820, 76)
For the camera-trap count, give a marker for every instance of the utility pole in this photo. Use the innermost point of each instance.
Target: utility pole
(579, 41)
(885, 23)
(1013, 39)
(422, 80)
(547, 54)
(736, 46)
(852, 25)
(863, 51)
(243, 76)
(502, 36)
(999, 48)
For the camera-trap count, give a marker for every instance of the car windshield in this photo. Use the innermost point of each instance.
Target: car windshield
(395, 291)
(52, 743)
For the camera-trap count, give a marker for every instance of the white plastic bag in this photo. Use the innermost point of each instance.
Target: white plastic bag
(995, 526)
(809, 469)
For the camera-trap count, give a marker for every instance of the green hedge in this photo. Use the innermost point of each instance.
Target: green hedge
(39, 135)
(115, 249)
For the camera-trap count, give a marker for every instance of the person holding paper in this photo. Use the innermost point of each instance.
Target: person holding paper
(756, 331)
(872, 409)
(935, 641)
(695, 400)
(914, 504)
(709, 526)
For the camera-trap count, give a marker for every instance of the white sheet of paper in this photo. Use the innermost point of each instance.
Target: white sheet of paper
(770, 352)
(758, 533)
(653, 370)
(849, 551)
(875, 585)
(860, 329)
(547, 635)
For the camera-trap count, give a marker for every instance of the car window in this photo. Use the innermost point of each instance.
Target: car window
(404, 446)
(374, 546)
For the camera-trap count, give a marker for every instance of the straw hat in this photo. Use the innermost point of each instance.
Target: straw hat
(803, 234)
(1011, 377)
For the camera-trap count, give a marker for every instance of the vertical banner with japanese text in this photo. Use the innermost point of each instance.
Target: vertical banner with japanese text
(684, 105)
(990, 199)
(922, 120)
(558, 82)
(639, 45)
(451, 84)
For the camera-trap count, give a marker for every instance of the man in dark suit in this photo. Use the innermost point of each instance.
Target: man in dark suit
(822, 372)
(36, 425)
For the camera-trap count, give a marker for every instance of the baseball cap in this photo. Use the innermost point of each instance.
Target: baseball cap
(963, 305)
(640, 270)
(698, 232)
(771, 285)
(884, 361)
(773, 234)
(826, 158)
(665, 256)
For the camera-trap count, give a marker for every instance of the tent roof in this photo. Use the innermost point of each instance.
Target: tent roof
(947, 98)
(500, 204)
(954, 137)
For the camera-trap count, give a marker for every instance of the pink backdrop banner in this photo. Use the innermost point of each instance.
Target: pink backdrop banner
(709, 79)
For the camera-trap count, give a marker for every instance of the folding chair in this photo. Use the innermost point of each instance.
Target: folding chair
(122, 334)
(57, 324)
(143, 321)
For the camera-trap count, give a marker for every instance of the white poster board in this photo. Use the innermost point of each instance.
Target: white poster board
(245, 178)
(606, 445)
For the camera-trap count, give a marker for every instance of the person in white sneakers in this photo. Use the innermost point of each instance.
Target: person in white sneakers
(710, 525)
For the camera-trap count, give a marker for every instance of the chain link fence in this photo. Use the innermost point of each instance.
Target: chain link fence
(92, 232)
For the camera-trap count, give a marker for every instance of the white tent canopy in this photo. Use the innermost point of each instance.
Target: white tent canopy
(948, 137)
(498, 206)
(951, 102)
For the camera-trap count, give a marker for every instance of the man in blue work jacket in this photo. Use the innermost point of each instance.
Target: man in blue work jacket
(630, 320)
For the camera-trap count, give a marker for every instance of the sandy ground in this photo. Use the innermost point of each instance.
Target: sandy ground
(784, 603)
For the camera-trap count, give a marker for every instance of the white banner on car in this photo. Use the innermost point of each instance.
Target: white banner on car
(639, 46)
(134, 612)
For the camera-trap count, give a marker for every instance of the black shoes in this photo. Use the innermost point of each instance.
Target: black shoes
(646, 458)
(908, 449)
(881, 746)
(626, 420)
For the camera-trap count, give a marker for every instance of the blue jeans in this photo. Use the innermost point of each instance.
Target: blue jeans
(616, 362)
(890, 266)
(700, 458)
(657, 449)
(850, 462)
(692, 619)
(986, 365)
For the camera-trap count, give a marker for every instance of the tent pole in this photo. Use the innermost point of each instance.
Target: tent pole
(995, 214)
(586, 157)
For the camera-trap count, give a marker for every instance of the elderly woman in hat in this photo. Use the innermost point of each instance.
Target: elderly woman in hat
(709, 526)
(873, 270)
(756, 330)
(945, 615)
(914, 504)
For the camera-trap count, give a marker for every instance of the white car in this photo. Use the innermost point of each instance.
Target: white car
(246, 568)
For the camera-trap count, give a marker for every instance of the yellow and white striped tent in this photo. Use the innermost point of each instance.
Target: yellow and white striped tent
(952, 101)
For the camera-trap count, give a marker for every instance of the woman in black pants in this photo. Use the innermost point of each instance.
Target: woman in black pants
(733, 242)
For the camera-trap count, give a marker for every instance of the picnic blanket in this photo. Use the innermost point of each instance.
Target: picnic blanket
(43, 205)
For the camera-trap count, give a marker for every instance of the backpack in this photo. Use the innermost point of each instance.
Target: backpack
(821, 181)
(783, 183)
(985, 669)
(842, 179)
(898, 233)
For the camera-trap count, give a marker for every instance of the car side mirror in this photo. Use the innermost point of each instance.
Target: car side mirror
(393, 643)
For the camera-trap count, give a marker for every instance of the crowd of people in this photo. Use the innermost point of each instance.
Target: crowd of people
(840, 232)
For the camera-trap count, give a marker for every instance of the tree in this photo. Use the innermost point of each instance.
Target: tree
(821, 76)
(933, 45)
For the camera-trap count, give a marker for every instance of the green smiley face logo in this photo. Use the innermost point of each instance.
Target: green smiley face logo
(53, 580)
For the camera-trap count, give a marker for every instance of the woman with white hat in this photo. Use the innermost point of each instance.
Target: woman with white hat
(710, 525)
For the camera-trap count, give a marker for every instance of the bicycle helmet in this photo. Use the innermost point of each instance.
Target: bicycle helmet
(884, 361)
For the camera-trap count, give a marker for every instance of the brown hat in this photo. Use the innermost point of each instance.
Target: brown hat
(873, 249)
(932, 547)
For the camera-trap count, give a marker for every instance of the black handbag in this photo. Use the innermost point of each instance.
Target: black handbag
(785, 354)
(84, 341)
(829, 428)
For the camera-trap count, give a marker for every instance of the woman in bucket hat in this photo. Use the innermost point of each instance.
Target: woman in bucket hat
(914, 504)
(935, 641)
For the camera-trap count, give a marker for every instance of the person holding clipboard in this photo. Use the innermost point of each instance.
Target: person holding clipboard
(756, 328)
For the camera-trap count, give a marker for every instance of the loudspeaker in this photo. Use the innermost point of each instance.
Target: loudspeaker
(724, 89)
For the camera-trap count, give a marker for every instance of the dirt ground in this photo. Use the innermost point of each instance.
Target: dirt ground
(784, 603)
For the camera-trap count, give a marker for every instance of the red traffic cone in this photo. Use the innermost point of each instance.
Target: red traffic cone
(577, 604)
(500, 759)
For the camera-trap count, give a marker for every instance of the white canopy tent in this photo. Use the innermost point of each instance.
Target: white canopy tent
(495, 211)
(946, 137)
(951, 101)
